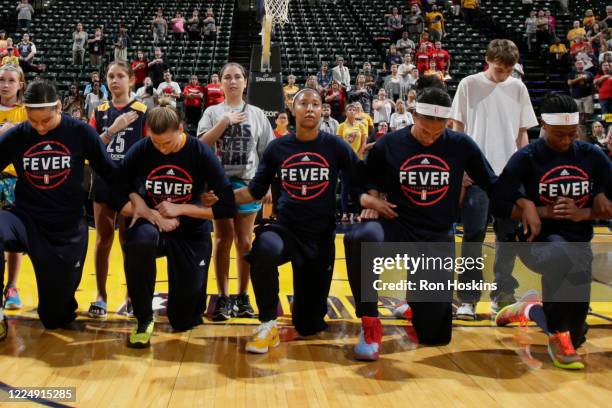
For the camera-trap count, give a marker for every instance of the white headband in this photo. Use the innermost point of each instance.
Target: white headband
(560, 119)
(433, 110)
(42, 105)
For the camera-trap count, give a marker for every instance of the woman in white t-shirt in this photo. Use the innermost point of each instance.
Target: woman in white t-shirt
(401, 118)
(238, 133)
(382, 107)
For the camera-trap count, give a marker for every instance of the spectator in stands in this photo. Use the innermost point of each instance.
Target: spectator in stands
(552, 23)
(159, 27)
(598, 133)
(210, 26)
(415, 23)
(336, 98)
(531, 25)
(214, 91)
(193, 26)
(382, 107)
(542, 30)
(93, 99)
(157, 67)
(581, 88)
(27, 51)
(282, 123)
(383, 128)
(290, 90)
(122, 43)
(589, 19)
(341, 74)
(392, 58)
(370, 76)
(311, 82)
(442, 58)
(24, 15)
(423, 56)
(97, 48)
(603, 83)
(424, 41)
(605, 54)
(401, 117)
(178, 26)
(413, 78)
(327, 124)
(607, 20)
(140, 66)
(596, 38)
(395, 25)
(146, 83)
(147, 94)
(169, 88)
(435, 24)
(10, 58)
(557, 52)
(469, 8)
(72, 101)
(575, 32)
(394, 84)
(194, 100)
(79, 37)
(363, 117)
(411, 100)
(2, 39)
(324, 77)
(405, 45)
(362, 94)
(582, 51)
(9, 44)
(95, 77)
(406, 68)
(433, 71)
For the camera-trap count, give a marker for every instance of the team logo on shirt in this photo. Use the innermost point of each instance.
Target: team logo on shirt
(565, 181)
(305, 176)
(169, 183)
(424, 179)
(47, 164)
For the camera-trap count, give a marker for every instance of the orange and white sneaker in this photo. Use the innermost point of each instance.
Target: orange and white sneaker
(265, 337)
(562, 352)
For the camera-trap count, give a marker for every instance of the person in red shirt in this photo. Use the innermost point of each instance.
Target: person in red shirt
(214, 93)
(441, 58)
(580, 44)
(424, 41)
(603, 82)
(194, 95)
(282, 121)
(422, 57)
(140, 66)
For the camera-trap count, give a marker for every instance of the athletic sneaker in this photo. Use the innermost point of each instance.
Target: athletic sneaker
(224, 309)
(265, 337)
(370, 339)
(242, 306)
(3, 327)
(514, 313)
(562, 352)
(126, 309)
(11, 298)
(403, 311)
(141, 335)
(466, 311)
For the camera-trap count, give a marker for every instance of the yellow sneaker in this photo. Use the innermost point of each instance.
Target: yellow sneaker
(265, 336)
(141, 335)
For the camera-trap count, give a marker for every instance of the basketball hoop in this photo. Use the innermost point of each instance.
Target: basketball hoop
(277, 13)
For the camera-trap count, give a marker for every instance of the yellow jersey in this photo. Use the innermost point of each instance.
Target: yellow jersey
(353, 135)
(15, 114)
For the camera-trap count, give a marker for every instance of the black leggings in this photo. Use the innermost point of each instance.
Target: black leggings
(188, 261)
(566, 281)
(58, 256)
(312, 266)
(432, 320)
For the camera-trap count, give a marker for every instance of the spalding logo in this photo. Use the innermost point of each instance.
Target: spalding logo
(305, 176)
(169, 183)
(47, 164)
(565, 181)
(424, 179)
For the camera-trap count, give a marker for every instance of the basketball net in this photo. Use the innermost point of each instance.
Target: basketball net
(277, 12)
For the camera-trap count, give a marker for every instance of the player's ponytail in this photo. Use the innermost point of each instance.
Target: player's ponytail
(41, 95)
(163, 117)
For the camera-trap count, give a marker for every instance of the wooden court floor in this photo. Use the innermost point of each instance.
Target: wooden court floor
(482, 366)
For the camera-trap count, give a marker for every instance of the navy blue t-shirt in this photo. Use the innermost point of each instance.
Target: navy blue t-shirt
(425, 181)
(50, 168)
(579, 173)
(308, 175)
(584, 88)
(180, 178)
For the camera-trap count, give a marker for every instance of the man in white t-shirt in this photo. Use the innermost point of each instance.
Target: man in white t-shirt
(382, 107)
(495, 110)
(169, 88)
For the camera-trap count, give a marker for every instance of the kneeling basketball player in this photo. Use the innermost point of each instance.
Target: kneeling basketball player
(307, 164)
(167, 173)
(420, 169)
